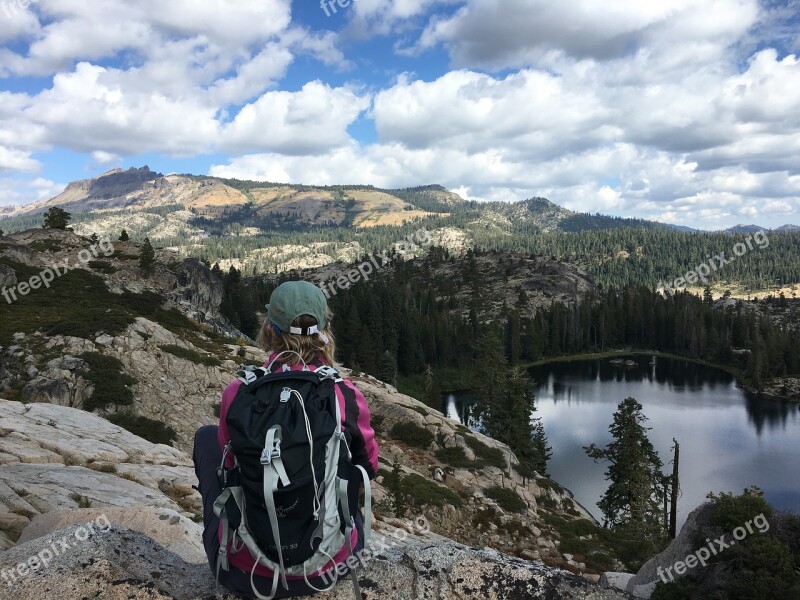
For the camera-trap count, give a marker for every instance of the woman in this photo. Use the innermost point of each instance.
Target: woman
(296, 331)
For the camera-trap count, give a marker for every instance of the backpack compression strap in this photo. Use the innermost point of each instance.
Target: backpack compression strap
(274, 471)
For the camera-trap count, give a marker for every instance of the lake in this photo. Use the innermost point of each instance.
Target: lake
(729, 439)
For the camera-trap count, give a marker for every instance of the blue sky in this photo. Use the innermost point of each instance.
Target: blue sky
(684, 111)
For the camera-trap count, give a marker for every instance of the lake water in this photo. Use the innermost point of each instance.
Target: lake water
(728, 438)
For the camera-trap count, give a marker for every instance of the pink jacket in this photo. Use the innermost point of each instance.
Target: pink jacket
(361, 439)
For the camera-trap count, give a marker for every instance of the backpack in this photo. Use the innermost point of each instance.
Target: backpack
(293, 492)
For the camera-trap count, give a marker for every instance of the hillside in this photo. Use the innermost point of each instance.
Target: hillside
(151, 353)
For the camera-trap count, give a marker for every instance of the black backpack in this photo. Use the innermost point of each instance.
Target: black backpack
(293, 492)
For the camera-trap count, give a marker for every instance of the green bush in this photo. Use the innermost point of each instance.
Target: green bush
(148, 429)
(455, 457)
(424, 492)
(109, 379)
(508, 499)
(491, 456)
(191, 355)
(732, 511)
(412, 434)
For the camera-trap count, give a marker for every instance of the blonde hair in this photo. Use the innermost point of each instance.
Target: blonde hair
(310, 347)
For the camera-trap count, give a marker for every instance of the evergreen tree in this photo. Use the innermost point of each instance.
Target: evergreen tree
(632, 504)
(147, 256)
(124, 237)
(56, 218)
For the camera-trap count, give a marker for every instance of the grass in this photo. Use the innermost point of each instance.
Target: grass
(191, 355)
(412, 434)
(151, 430)
(109, 379)
(102, 467)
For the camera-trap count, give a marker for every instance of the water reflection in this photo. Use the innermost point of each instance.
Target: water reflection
(729, 438)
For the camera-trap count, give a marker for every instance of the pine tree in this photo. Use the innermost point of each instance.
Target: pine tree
(632, 502)
(124, 237)
(147, 256)
(56, 218)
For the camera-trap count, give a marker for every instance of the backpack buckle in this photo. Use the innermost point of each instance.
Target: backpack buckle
(269, 454)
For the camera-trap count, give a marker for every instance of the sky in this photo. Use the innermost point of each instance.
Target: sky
(682, 111)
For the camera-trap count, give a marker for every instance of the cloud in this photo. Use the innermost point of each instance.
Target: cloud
(12, 160)
(20, 191)
(501, 34)
(312, 120)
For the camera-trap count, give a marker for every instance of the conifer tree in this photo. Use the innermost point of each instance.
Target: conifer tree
(147, 256)
(56, 218)
(632, 503)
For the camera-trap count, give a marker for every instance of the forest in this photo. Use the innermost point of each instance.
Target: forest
(407, 320)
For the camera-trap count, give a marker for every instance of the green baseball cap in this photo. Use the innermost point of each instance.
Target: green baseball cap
(296, 298)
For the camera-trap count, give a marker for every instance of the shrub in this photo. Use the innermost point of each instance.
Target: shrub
(109, 379)
(455, 457)
(191, 355)
(412, 434)
(491, 456)
(102, 266)
(426, 492)
(508, 499)
(148, 429)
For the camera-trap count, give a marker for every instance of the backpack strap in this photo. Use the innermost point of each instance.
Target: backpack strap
(367, 505)
(250, 373)
(344, 504)
(274, 471)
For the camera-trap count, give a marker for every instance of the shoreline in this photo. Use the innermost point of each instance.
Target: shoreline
(767, 392)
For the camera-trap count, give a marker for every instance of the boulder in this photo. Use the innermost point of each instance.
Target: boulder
(683, 545)
(7, 276)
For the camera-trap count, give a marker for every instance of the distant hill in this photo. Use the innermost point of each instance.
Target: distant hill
(755, 228)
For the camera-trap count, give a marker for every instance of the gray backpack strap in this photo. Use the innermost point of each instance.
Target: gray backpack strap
(274, 471)
(348, 532)
(367, 505)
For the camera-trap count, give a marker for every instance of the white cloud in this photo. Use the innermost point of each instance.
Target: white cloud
(16, 160)
(310, 121)
(20, 191)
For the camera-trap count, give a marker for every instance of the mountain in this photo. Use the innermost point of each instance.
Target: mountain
(744, 229)
(219, 205)
(787, 227)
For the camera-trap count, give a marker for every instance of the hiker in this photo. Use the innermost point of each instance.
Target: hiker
(291, 402)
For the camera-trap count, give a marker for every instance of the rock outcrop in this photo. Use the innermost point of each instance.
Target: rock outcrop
(122, 563)
(54, 457)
